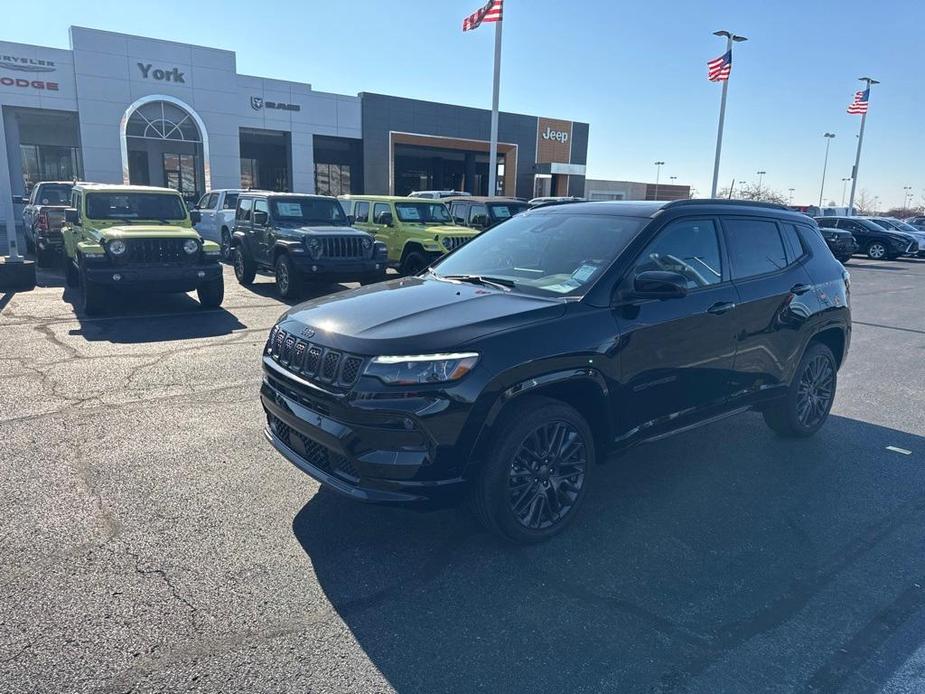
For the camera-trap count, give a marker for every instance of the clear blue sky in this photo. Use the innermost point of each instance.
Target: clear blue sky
(634, 70)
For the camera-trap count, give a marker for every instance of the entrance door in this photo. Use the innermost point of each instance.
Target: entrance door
(138, 173)
(180, 173)
(542, 186)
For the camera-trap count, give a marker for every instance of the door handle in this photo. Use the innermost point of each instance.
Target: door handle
(799, 289)
(721, 307)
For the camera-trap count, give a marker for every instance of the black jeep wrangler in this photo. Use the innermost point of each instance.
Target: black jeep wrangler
(302, 238)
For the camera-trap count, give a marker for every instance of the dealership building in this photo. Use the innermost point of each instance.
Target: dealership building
(127, 109)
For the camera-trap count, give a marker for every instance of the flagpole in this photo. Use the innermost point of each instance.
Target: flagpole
(730, 37)
(496, 88)
(857, 158)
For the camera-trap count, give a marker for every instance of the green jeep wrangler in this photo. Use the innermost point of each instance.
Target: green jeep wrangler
(137, 238)
(415, 231)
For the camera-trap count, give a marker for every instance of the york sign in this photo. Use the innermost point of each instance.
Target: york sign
(557, 135)
(172, 75)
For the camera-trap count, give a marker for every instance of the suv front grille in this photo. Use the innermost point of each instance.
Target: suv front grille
(156, 251)
(313, 362)
(451, 243)
(313, 452)
(342, 247)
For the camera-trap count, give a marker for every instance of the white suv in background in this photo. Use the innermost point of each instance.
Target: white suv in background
(217, 217)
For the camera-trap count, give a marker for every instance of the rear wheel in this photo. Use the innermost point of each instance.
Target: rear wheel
(226, 245)
(810, 396)
(71, 273)
(876, 251)
(244, 267)
(211, 293)
(413, 263)
(536, 473)
(288, 279)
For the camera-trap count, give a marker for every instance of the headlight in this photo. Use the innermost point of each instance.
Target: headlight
(367, 243)
(314, 247)
(117, 247)
(422, 369)
(190, 246)
(447, 244)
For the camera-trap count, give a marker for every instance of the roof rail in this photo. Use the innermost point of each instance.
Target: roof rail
(724, 201)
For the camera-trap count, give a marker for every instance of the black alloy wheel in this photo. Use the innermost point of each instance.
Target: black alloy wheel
(547, 475)
(806, 406)
(244, 268)
(226, 245)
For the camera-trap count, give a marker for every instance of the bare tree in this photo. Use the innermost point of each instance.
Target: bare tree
(864, 203)
(752, 191)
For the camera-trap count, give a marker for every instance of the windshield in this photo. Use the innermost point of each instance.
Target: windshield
(57, 194)
(129, 206)
(501, 211)
(545, 254)
(905, 227)
(423, 212)
(884, 223)
(308, 211)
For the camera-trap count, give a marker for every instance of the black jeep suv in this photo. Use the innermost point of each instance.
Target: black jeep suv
(302, 238)
(511, 367)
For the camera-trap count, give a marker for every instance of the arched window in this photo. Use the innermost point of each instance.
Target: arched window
(160, 120)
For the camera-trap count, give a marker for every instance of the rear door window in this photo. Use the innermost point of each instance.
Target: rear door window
(755, 247)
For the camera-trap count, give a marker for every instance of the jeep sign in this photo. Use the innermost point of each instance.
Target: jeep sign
(557, 135)
(172, 75)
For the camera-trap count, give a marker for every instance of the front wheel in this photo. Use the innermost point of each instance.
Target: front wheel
(535, 477)
(876, 251)
(806, 406)
(244, 267)
(71, 273)
(211, 293)
(288, 279)
(93, 297)
(413, 263)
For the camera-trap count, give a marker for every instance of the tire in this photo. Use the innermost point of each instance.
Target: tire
(30, 242)
(816, 378)
(413, 263)
(44, 258)
(71, 273)
(211, 293)
(516, 462)
(244, 267)
(92, 296)
(876, 251)
(227, 249)
(288, 279)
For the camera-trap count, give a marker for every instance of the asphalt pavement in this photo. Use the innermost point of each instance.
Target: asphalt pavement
(152, 541)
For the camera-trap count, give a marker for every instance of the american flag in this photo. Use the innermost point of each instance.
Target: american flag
(859, 105)
(490, 12)
(718, 69)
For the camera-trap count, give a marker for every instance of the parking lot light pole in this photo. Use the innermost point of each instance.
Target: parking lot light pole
(790, 190)
(730, 37)
(907, 196)
(658, 171)
(828, 140)
(844, 189)
(760, 177)
(496, 89)
(869, 81)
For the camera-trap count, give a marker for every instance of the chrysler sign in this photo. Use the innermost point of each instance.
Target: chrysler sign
(12, 62)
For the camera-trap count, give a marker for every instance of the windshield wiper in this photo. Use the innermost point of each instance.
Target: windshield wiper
(499, 282)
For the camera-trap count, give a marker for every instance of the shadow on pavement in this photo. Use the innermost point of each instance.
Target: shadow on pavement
(311, 291)
(689, 554)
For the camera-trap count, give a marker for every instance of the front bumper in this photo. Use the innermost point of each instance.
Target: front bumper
(155, 278)
(370, 455)
(333, 269)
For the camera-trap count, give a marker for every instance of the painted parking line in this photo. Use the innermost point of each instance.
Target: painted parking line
(895, 449)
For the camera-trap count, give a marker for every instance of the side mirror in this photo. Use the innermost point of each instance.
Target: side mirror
(351, 220)
(71, 216)
(261, 218)
(20, 200)
(659, 284)
(385, 218)
(195, 216)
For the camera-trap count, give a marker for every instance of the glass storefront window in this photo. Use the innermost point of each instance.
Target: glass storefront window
(332, 179)
(48, 163)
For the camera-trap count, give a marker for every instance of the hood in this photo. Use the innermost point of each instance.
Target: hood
(442, 229)
(328, 230)
(414, 315)
(149, 231)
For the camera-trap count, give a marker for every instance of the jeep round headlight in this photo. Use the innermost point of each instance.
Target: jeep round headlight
(367, 243)
(314, 247)
(421, 369)
(190, 246)
(117, 247)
